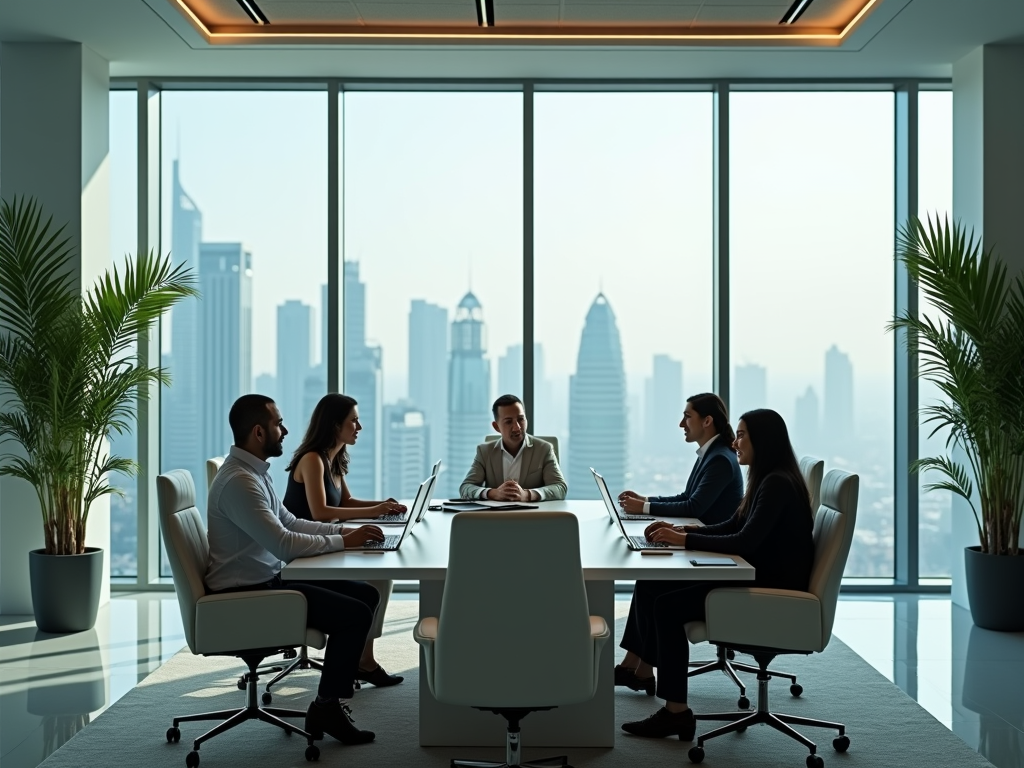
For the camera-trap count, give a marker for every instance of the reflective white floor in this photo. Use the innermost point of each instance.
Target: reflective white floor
(51, 686)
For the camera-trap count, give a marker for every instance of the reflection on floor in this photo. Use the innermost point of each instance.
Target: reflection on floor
(51, 686)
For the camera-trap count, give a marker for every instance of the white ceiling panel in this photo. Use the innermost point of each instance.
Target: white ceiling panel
(605, 13)
(437, 14)
(309, 11)
(741, 15)
(509, 14)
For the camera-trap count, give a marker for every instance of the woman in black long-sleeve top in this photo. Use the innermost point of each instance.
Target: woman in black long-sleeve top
(771, 530)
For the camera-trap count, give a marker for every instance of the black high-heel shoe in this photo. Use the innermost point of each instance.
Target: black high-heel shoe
(626, 678)
(664, 723)
(379, 677)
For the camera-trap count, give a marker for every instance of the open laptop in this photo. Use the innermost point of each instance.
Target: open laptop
(425, 502)
(635, 543)
(393, 541)
(614, 511)
(400, 517)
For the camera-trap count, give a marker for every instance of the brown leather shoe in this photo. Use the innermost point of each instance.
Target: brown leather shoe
(334, 720)
(626, 678)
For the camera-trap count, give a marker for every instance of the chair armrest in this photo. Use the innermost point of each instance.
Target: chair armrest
(240, 621)
(768, 618)
(425, 633)
(600, 634)
(599, 629)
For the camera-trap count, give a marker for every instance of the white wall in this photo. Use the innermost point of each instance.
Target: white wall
(54, 135)
(988, 191)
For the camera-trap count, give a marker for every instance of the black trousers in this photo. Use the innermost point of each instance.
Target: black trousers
(342, 610)
(655, 630)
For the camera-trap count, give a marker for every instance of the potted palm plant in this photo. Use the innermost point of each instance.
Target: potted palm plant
(69, 376)
(972, 348)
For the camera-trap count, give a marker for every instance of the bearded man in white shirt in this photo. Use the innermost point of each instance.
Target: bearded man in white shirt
(252, 536)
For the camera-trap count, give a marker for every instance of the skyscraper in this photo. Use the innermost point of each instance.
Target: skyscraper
(182, 401)
(510, 381)
(428, 371)
(838, 411)
(406, 439)
(663, 405)
(294, 360)
(806, 439)
(469, 390)
(363, 381)
(225, 345)
(751, 390)
(598, 423)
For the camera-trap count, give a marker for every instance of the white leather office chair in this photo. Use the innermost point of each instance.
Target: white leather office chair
(811, 468)
(249, 625)
(546, 438)
(768, 622)
(499, 614)
(300, 659)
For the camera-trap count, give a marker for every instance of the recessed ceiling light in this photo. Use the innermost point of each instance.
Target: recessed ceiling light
(485, 13)
(795, 11)
(253, 11)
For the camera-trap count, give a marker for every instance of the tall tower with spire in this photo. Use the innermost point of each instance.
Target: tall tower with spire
(469, 389)
(180, 447)
(598, 424)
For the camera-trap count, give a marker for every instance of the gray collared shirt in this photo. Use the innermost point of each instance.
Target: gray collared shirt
(249, 529)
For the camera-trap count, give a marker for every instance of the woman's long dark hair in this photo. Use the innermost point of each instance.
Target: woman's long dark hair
(773, 454)
(708, 404)
(330, 413)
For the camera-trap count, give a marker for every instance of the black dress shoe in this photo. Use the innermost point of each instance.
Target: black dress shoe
(334, 720)
(664, 723)
(627, 678)
(379, 677)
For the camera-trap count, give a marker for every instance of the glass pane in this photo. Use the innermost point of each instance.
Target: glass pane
(623, 289)
(935, 198)
(812, 286)
(244, 179)
(124, 241)
(433, 299)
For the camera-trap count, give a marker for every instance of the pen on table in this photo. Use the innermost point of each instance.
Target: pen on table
(372, 552)
(655, 552)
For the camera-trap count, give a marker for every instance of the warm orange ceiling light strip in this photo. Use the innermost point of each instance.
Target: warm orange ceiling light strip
(475, 35)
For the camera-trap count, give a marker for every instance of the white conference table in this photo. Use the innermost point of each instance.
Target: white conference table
(605, 559)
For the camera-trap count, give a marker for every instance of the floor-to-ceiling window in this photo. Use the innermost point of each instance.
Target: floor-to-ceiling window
(432, 279)
(935, 201)
(123, 169)
(623, 282)
(811, 214)
(244, 193)
(431, 269)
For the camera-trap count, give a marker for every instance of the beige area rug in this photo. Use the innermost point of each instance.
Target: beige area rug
(886, 727)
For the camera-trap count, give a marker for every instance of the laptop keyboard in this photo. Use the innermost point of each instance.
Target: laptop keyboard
(396, 518)
(635, 517)
(642, 543)
(390, 542)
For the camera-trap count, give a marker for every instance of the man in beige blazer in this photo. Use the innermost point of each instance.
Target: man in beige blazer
(518, 467)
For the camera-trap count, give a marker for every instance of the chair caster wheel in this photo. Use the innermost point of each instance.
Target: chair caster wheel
(796, 689)
(288, 731)
(266, 698)
(192, 759)
(814, 761)
(741, 729)
(696, 754)
(743, 703)
(730, 655)
(173, 735)
(312, 753)
(241, 683)
(841, 743)
(291, 653)
(356, 685)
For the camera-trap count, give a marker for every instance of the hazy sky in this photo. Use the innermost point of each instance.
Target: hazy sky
(433, 196)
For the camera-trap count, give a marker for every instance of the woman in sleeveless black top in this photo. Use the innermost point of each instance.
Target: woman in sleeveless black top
(317, 490)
